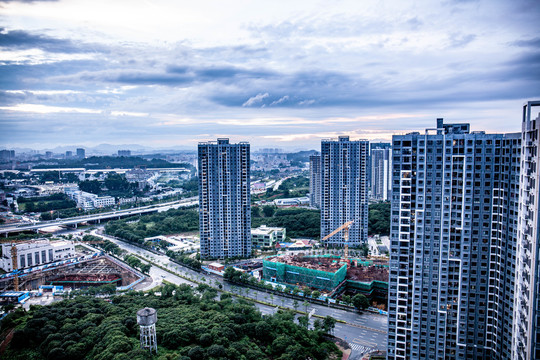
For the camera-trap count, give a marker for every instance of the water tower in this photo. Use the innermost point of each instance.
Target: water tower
(147, 318)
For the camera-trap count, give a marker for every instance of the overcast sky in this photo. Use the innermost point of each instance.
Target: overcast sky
(275, 73)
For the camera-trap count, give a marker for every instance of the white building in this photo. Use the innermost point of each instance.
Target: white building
(36, 252)
(264, 236)
(86, 200)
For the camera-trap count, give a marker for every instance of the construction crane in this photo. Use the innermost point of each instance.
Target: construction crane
(15, 263)
(15, 266)
(345, 228)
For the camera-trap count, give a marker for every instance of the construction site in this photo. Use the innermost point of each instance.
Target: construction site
(75, 273)
(331, 274)
(322, 272)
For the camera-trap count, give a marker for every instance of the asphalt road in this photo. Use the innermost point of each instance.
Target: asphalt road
(364, 332)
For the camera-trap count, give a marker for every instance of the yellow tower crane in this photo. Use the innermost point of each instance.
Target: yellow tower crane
(15, 266)
(345, 228)
(15, 263)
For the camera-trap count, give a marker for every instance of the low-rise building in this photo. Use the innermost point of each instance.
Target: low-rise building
(264, 236)
(36, 252)
(86, 200)
(298, 201)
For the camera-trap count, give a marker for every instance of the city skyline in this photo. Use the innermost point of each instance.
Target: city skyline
(164, 74)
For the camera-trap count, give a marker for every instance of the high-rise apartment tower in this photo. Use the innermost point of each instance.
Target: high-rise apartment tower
(526, 332)
(315, 181)
(344, 193)
(81, 153)
(455, 203)
(224, 199)
(381, 175)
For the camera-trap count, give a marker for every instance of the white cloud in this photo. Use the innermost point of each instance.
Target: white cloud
(280, 101)
(128, 113)
(37, 56)
(47, 109)
(255, 100)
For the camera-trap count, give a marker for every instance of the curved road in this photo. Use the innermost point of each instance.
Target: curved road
(363, 332)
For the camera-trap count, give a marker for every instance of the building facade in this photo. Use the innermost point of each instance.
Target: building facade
(7, 155)
(344, 191)
(315, 181)
(81, 153)
(126, 153)
(381, 161)
(265, 236)
(526, 327)
(455, 197)
(86, 200)
(36, 252)
(224, 199)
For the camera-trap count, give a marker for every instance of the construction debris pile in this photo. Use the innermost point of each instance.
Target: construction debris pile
(368, 273)
(315, 263)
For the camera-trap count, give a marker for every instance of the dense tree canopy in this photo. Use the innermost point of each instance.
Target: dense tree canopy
(91, 186)
(46, 203)
(298, 222)
(191, 325)
(169, 222)
(103, 162)
(360, 301)
(379, 218)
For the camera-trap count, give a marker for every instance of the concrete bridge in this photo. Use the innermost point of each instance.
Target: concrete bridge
(116, 214)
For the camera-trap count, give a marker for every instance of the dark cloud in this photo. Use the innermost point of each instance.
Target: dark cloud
(535, 43)
(177, 69)
(179, 75)
(15, 76)
(142, 78)
(20, 39)
(230, 71)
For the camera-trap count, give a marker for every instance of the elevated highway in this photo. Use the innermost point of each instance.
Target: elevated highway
(117, 214)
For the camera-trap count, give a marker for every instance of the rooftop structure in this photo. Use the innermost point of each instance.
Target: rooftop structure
(11, 297)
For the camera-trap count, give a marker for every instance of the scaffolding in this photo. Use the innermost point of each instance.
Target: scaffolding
(380, 288)
(321, 272)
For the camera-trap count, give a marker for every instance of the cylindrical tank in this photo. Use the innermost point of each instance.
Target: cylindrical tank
(146, 317)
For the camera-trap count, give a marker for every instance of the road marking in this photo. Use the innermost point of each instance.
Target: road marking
(368, 328)
(361, 348)
(364, 343)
